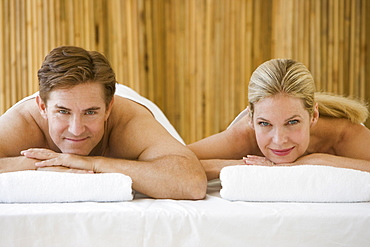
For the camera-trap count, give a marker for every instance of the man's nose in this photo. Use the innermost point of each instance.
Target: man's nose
(76, 125)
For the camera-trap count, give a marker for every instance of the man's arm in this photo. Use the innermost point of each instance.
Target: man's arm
(175, 176)
(159, 165)
(20, 163)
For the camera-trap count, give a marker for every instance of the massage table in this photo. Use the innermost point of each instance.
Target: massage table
(212, 222)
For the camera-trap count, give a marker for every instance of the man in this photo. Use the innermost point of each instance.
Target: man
(77, 124)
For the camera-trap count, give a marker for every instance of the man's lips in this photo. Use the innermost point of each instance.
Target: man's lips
(282, 152)
(76, 139)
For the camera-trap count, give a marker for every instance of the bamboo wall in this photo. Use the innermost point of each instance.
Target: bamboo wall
(193, 58)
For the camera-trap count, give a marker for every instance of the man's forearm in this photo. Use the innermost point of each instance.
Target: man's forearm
(172, 177)
(20, 163)
(213, 167)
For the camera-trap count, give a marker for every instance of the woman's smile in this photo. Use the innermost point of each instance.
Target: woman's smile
(282, 152)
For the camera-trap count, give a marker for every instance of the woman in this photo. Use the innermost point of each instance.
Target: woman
(287, 123)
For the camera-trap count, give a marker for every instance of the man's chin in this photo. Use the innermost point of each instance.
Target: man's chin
(75, 151)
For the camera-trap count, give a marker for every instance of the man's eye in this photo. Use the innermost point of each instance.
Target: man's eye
(63, 112)
(90, 112)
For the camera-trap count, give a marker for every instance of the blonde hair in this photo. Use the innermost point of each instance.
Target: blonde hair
(294, 79)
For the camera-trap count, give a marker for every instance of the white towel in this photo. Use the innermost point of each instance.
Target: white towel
(305, 183)
(48, 187)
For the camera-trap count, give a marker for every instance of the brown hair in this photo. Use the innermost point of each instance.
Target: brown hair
(67, 66)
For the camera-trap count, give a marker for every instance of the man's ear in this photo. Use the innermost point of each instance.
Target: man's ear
(42, 106)
(109, 109)
(315, 115)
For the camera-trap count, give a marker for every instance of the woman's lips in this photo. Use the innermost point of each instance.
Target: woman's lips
(282, 152)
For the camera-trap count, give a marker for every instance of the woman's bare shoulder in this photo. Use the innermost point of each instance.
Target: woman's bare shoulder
(347, 139)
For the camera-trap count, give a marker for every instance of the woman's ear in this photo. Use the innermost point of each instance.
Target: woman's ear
(315, 115)
(42, 106)
(250, 118)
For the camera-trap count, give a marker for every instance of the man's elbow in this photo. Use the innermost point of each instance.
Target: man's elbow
(196, 189)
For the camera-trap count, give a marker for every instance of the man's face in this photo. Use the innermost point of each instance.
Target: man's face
(76, 117)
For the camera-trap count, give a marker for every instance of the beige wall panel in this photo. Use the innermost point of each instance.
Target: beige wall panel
(192, 58)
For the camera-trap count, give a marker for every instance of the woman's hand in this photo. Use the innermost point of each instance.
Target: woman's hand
(257, 160)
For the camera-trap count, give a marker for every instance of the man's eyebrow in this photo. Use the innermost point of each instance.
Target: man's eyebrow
(61, 107)
(94, 108)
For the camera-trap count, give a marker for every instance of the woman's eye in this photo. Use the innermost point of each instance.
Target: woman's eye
(292, 122)
(263, 124)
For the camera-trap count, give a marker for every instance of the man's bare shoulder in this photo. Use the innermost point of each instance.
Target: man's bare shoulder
(132, 128)
(21, 127)
(125, 109)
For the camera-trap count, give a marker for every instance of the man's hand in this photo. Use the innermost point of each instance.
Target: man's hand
(52, 161)
(62, 169)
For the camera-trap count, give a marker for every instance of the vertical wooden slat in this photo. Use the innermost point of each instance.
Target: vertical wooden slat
(12, 90)
(363, 48)
(2, 62)
(346, 47)
(340, 52)
(329, 81)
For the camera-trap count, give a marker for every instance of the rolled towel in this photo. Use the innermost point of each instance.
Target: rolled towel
(305, 183)
(49, 187)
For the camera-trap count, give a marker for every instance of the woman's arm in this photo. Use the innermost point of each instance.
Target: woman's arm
(351, 150)
(334, 160)
(225, 148)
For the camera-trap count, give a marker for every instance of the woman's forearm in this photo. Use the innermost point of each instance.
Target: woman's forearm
(335, 161)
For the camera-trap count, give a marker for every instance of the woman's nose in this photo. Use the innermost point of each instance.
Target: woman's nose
(280, 136)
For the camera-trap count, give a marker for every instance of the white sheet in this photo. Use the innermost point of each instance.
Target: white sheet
(210, 222)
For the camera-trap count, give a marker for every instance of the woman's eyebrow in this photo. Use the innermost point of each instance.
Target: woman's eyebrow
(294, 116)
(261, 118)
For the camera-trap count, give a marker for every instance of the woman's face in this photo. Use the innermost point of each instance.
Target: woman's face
(282, 127)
